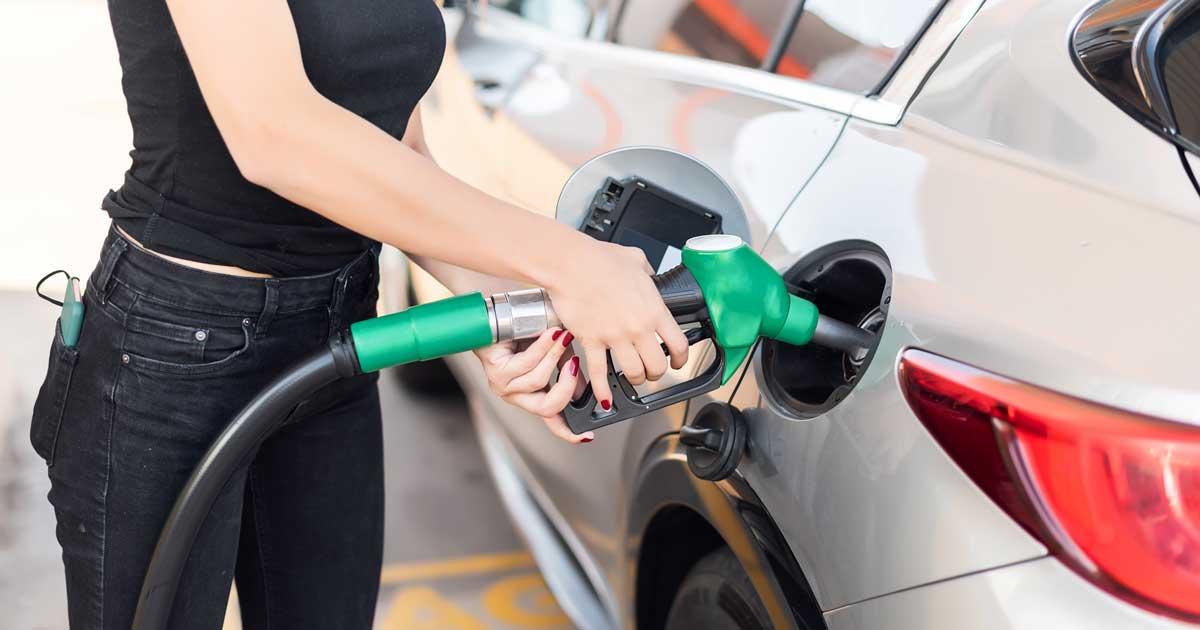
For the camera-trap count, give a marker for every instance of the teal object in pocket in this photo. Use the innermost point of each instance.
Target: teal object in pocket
(71, 321)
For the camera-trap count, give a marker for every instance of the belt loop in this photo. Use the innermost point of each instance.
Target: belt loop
(108, 262)
(373, 262)
(270, 305)
(339, 297)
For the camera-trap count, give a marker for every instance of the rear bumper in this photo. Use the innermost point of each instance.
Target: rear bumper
(1034, 595)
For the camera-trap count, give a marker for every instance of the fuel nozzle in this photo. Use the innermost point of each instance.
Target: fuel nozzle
(745, 298)
(736, 297)
(854, 341)
(526, 313)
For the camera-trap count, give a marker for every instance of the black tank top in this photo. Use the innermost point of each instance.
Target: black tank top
(183, 194)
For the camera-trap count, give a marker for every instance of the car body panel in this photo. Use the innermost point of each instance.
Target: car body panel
(1017, 241)
(585, 98)
(582, 592)
(1009, 251)
(1037, 595)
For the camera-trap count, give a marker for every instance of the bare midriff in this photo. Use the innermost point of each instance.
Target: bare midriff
(211, 268)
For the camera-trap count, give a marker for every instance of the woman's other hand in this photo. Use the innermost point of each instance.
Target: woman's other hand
(522, 378)
(605, 296)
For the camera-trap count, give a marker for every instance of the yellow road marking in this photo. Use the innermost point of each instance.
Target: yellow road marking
(525, 602)
(422, 608)
(467, 565)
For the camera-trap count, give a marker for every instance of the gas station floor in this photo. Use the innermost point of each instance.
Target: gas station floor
(452, 560)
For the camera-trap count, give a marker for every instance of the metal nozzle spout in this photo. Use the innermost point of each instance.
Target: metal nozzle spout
(852, 340)
(520, 314)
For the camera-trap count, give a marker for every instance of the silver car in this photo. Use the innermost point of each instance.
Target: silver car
(1004, 190)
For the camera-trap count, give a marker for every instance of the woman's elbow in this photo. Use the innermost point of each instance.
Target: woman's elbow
(255, 149)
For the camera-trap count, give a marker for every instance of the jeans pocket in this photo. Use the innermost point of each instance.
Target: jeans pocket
(52, 397)
(176, 341)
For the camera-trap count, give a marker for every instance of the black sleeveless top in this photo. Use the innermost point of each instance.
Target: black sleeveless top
(183, 194)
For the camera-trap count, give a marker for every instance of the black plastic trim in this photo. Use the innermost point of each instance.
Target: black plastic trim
(1108, 51)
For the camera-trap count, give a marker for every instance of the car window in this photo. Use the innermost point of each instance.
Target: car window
(1179, 58)
(852, 45)
(565, 17)
(732, 31)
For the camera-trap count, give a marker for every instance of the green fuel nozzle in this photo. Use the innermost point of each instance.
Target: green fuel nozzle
(724, 286)
(456, 324)
(746, 298)
(736, 297)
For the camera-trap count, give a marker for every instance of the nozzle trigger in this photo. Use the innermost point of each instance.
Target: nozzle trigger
(583, 415)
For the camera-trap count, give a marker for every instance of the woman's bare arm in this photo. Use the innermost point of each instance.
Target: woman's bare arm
(450, 276)
(285, 136)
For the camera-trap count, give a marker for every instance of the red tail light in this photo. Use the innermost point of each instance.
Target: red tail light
(1114, 495)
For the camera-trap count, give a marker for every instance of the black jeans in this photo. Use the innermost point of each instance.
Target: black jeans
(167, 356)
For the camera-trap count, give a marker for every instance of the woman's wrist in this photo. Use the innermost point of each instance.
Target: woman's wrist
(554, 257)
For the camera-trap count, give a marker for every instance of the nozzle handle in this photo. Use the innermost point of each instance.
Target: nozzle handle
(583, 414)
(681, 293)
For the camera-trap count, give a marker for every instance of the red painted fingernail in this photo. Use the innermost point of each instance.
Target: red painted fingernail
(555, 336)
(586, 440)
(606, 404)
(567, 340)
(574, 366)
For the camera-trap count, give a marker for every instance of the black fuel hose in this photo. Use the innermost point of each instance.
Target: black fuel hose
(259, 419)
(233, 448)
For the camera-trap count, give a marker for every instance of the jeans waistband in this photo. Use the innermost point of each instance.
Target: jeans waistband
(262, 298)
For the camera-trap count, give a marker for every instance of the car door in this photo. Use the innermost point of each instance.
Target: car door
(675, 75)
(865, 500)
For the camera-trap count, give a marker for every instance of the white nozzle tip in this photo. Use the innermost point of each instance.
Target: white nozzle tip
(713, 243)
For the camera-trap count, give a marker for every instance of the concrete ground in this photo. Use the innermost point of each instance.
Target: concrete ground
(452, 560)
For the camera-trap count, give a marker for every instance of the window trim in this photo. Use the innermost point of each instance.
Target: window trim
(926, 51)
(1146, 52)
(908, 48)
(779, 38)
(886, 108)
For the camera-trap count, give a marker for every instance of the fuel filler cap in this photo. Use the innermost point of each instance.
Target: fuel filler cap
(715, 440)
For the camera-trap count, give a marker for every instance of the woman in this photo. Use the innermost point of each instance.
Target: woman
(276, 144)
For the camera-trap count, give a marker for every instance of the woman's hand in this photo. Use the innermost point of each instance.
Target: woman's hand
(522, 378)
(605, 296)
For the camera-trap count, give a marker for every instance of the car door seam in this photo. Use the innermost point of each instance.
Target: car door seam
(824, 158)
